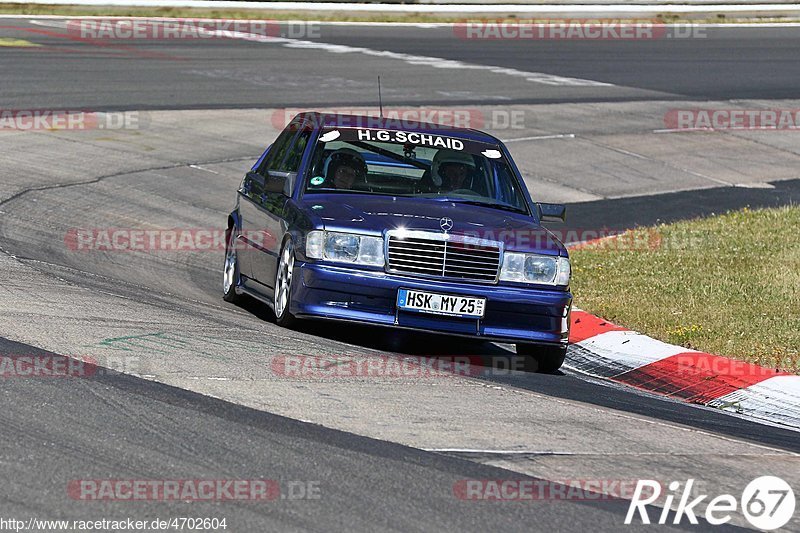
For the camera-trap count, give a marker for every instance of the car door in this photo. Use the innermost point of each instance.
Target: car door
(251, 195)
(280, 176)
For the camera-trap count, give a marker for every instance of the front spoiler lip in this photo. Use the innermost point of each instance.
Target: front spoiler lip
(308, 316)
(485, 338)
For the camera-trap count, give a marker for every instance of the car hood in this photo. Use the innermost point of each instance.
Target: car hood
(370, 214)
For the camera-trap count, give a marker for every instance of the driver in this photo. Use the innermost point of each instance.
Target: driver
(452, 170)
(345, 167)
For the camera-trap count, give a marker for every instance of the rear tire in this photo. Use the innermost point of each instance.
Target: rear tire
(283, 286)
(230, 279)
(542, 359)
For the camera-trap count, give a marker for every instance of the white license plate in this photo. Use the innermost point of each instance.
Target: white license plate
(440, 304)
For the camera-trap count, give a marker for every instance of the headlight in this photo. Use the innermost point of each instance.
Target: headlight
(534, 268)
(342, 247)
(345, 248)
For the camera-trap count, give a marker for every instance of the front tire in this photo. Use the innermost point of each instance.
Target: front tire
(230, 278)
(283, 286)
(542, 359)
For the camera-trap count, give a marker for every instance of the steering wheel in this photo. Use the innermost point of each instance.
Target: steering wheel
(467, 192)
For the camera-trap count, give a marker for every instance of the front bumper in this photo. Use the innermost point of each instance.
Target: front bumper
(513, 314)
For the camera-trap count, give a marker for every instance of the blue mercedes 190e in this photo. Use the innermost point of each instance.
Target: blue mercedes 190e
(407, 225)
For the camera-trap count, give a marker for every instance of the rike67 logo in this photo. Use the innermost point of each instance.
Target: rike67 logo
(767, 502)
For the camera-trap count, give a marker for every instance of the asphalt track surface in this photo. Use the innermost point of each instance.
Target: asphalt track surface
(367, 483)
(120, 426)
(731, 63)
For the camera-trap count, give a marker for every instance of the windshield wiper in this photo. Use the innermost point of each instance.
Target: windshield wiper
(504, 207)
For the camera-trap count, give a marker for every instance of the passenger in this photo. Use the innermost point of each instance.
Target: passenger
(345, 168)
(454, 170)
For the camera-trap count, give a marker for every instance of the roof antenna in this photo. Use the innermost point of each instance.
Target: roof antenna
(380, 100)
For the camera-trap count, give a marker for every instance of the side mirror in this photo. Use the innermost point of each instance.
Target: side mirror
(279, 182)
(552, 211)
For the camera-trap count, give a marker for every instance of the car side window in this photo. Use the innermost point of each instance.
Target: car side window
(509, 192)
(291, 163)
(278, 151)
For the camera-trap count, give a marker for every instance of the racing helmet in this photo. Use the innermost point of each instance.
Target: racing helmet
(346, 157)
(444, 157)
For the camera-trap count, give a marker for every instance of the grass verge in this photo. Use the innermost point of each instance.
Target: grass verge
(727, 284)
(322, 16)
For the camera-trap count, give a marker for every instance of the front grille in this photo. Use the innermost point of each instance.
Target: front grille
(443, 258)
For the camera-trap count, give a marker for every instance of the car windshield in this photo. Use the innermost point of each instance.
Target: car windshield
(401, 163)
